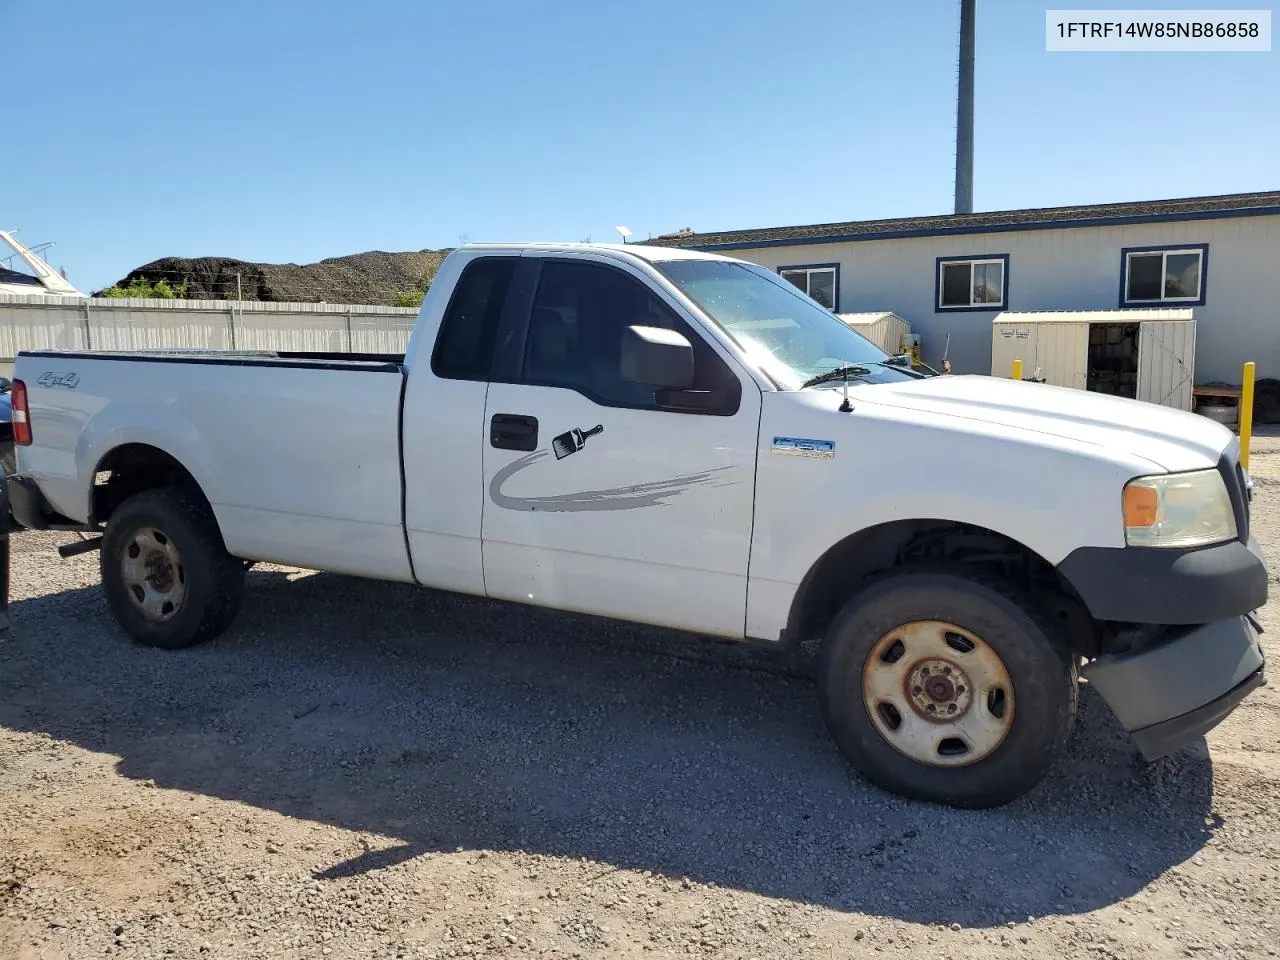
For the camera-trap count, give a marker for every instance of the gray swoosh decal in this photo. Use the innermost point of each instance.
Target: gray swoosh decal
(654, 493)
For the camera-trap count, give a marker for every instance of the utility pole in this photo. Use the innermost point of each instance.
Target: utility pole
(964, 112)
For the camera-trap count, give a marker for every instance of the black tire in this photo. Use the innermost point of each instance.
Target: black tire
(1266, 401)
(1042, 700)
(8, 459)
(211, 581)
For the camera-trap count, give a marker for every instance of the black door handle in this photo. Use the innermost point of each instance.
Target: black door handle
(513, 431)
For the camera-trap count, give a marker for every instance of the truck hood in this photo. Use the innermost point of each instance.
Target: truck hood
(1171, 439)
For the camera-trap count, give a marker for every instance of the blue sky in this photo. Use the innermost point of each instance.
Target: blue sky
(290, 131)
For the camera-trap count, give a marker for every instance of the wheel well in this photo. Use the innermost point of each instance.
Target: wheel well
(130, 469)
(872, 553)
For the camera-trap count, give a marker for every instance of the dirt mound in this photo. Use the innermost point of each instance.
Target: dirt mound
(374, 277)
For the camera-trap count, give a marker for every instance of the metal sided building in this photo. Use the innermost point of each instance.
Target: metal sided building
(950, 276)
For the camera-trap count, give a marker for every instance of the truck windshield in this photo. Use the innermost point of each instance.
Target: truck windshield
(792, 338)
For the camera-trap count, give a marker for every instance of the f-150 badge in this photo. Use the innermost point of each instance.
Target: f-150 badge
(801, 447)
(51, 379)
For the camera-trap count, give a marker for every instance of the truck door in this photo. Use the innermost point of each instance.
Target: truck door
(599, 496)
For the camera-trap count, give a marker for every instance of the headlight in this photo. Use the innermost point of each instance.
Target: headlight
(1178, 510)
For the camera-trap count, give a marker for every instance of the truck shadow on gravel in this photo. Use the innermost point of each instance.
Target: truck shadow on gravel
(451, 722)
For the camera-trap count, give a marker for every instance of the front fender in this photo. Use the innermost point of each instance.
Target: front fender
(1050, 494)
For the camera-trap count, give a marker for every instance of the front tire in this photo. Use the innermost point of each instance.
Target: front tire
(941, 687)
(168, 578)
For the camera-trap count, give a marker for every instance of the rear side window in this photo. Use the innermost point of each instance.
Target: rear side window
(464, 347)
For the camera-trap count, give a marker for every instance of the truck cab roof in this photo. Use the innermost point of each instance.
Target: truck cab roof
(637, 250)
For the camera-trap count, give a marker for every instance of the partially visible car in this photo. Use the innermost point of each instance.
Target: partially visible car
(6, 427)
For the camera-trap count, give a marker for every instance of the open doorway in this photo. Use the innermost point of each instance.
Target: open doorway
(1113, 359)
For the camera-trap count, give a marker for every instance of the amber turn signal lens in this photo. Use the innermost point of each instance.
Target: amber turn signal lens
(1140, 506)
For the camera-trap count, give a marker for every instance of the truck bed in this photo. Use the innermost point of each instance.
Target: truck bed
(298, 453)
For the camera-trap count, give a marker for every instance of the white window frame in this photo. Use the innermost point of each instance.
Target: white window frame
(971, 262)
(808, 277)
(1164, 253)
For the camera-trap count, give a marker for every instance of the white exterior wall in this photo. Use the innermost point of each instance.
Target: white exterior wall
(101, 323)
(1064, 269)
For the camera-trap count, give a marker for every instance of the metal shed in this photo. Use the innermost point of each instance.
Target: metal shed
(884, 328)
(1148, 354)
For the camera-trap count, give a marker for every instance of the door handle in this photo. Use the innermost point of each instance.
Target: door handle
(513, 431)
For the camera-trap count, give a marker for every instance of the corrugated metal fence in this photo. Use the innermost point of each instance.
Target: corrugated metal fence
(101, 323)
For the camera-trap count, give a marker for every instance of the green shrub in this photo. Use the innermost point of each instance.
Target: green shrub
(409, 298)
(412, 298)
(160, 290)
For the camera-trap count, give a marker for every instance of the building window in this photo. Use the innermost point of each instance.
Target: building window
(972, 283)
(1163, 275)
(821, 281)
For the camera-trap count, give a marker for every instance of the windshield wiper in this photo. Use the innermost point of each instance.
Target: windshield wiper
(842, 372)
(904, 363)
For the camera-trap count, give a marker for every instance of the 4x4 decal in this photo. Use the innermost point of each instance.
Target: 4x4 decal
(51, 379)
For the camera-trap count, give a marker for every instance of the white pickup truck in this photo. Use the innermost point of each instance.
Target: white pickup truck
(686, 440)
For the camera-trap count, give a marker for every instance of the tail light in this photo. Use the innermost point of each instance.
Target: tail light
(21, 416)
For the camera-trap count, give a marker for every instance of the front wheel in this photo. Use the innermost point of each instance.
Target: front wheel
(168, 578)
(944, 688)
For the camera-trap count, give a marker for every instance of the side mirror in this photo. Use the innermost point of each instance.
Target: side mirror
(5, 384)
(657, 357)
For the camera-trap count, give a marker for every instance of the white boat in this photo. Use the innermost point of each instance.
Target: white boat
(24, 272)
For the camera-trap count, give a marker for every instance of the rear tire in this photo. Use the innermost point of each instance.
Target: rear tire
(944, 688)
(168, 578)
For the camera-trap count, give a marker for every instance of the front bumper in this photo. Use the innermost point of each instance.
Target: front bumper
(1168, 586)
(1167, 694)
(1156, 585)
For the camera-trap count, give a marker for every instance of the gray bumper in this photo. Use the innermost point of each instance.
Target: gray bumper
(1168, 694)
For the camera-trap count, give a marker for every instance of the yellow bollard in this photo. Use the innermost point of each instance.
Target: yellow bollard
(1246, 413)
(1017, 369)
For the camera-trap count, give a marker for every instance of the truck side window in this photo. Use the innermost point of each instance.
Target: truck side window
(579, 314)
(464, 347)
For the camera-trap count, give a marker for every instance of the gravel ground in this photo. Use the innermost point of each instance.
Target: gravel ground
(366, 770)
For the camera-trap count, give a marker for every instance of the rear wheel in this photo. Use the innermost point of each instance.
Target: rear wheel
(168, 578)
(945, 688)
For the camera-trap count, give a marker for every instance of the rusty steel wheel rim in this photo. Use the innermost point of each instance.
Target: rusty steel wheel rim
(153, 575)
(938, 694)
